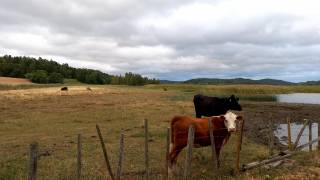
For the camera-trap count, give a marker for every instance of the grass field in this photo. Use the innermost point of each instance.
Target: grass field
(54, 120)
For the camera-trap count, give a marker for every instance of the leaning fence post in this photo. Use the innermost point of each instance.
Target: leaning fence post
(119, 170)
(300, 133)
(79, 158)
(289, 134)
(104, 152)
(146, 149)
(187, 168)
(167, 153)
(310, 136)
(239, 146)
(32, 174)
(270, 137)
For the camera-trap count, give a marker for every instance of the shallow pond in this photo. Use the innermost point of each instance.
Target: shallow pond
(282, 133)
(307, 98)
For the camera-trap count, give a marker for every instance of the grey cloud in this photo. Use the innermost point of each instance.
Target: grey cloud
(155, 38)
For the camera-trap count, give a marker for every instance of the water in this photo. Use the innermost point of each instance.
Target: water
(306, 98)
(282, 133)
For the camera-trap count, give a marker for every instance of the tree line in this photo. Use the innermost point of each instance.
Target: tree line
(48, 71)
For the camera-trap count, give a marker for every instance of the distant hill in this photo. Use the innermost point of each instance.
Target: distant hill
(215, 81)
(311, 83)
(170, 82)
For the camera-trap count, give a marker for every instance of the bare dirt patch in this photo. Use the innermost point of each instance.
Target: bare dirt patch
(14, 81)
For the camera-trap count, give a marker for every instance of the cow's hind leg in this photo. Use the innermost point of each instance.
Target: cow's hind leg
(173, 155)
(172, 169)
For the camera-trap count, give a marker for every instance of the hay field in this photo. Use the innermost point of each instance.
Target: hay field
(54, 120)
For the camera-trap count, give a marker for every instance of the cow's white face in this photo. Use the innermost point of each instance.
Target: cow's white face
(230, 120)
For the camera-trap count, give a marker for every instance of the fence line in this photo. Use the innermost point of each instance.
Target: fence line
(34, 149)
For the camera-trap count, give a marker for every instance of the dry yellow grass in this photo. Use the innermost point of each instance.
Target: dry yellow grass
(54, 120)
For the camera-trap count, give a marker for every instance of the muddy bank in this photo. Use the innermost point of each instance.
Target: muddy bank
(257, 115)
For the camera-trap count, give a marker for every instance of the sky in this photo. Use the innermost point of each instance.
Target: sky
(166, 39)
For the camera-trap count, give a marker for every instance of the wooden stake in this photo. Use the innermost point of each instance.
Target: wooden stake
(213, 146)
(300, 133)
(319, 136)
(187, 169)
(167, 153)
(105, 152)
(146, 148)
(239, 147)
(119, 170)
(310, 135)
(33, 164)
(242, 127)
(270, 137)
(289, 134)
(79, 158)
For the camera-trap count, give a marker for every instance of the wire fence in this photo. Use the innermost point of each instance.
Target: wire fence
(190, 137)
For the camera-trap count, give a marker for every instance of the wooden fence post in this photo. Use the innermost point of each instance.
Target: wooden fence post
(310, 135)
(239, 146)
(187, 167)
(213, 146)
(119, 170)
(146, 148)
(289, 134)
(167, 153)
(319, 136)
(105, 152)
(300, 133)
(271, 137)
(79, 158)
(32, 174)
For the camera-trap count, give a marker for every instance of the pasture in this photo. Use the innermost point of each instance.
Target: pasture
(54, 120)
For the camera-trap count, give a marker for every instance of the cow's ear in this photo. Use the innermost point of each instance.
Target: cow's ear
(222, 117)
(239, 117)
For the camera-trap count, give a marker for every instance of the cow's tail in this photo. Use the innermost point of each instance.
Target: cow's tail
(173, 121)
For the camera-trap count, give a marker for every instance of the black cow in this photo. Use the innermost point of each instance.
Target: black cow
(64, 89)
(214, 106)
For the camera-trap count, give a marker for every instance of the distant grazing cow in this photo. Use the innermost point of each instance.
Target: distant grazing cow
(222, 127)
(64, 88)
(214, 106)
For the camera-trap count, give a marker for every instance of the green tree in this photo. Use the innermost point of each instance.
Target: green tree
(38, 76)
(55, 78)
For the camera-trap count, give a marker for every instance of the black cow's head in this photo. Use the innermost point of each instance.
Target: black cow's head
(233, 103)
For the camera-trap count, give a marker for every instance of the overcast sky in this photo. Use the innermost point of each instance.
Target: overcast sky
(166, 39)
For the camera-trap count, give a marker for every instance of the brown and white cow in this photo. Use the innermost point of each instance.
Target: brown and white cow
(223, 125)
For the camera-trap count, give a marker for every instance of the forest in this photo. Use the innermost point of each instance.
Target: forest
(48, 71)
